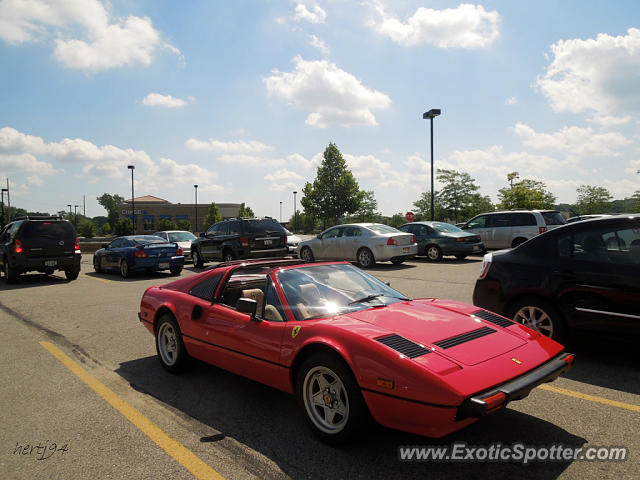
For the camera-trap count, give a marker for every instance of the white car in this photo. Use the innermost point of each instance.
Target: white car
(363, 243)
(292, 242)
(181, 237)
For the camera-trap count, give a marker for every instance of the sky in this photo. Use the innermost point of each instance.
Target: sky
(242, 97)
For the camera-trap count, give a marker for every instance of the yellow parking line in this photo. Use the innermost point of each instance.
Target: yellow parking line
(97, 278)
(174, 448)
(591, 398)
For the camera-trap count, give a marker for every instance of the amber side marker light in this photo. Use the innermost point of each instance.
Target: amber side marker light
(384, 383)
(495, 401)
(569, 359)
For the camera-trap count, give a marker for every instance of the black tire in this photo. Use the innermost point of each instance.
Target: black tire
(365, 258)
(307, 255)
(227, 255)
(10, 275)
(197, 258)
(397, 261)
(433, 253)
(342, 398)
(72, 273)
(170, 348)
(461, 257)
(175, 270)
(517, 241)
(124, 269)
(97, 264)
(529, 310)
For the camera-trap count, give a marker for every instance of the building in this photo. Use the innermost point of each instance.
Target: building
(149, 210)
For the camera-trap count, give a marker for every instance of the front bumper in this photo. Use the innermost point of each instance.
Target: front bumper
(487, 402)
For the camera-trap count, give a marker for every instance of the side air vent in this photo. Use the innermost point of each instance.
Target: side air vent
(493, 318)
(465, 337)
(404, 346)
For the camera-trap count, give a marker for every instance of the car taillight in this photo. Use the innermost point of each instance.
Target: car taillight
(392, 241)
(77, 245)
(486, 264)
(140, 254)
(18, 246)
(542, 229)
(244, 241)
(413, 239)
(179, 251)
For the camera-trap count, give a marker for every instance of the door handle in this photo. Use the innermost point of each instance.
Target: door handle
(196, 313)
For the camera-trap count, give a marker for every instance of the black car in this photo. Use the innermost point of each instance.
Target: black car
(436, 239)
(240, 238)
(585, 275)
(43, 243)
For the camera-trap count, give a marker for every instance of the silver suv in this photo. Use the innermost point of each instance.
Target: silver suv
(508, 229)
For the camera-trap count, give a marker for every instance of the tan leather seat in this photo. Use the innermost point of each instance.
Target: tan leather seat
(257, 295)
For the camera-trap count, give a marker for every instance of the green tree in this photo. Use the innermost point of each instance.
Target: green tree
(106, 228)
(87, 228)
(512, 177)
(166, 224)
(245, 211)
(423, 207)
(213, 216)
(526, 194)
(459, 195)
(397, 219)
(334, 192)
(111, 204)
(636, 198)
(368, 206)
(478, 204)
(592, 199)
(306, 223)
(184, 225)
(123, 227)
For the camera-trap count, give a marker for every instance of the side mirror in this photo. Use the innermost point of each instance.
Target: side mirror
(318, 236)
(105, 245)
(387, 283)
(203, 234)
(247, 305)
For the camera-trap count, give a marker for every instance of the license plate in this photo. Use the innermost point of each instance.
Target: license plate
(405, 250)
(268, 242)
(50, 263)
(163, 265)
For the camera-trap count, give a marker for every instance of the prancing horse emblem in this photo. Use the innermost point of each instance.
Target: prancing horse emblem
(295, 332)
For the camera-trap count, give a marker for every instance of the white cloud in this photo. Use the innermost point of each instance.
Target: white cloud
(608, 121)
(320, 45)
(573, 140)
(300, 162)
(25, 163)
(252, 160)
(367, 167)
(332, 95)
(282, 175)
(226, 147)
(315, 15)
(511, 101)
(466, 26)
(600, 75)
(107, 42)
(166, 101)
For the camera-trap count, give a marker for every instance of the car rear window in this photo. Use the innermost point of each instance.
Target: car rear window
(53, 229)
(553, 218)
(147, 240)
(181, 236)
(446, 228)
(266, 225)
(380, 228)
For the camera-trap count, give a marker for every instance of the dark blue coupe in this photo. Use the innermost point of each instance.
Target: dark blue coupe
(136, 253)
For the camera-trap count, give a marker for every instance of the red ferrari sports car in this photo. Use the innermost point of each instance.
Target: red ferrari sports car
(346, 343)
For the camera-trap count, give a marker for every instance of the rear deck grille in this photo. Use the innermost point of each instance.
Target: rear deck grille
(493, 318)
(465, 337)
(404, 346)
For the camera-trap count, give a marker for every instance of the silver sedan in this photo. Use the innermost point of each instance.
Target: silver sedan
(363, 243)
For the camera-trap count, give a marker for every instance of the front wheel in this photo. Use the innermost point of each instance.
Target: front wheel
(307, 255)
(169, 345)
(434, 253)
(228, 256)
(97, 265)
(540, 316)
(197, 259)
(124, 269)
(330, 399)
(365, 258)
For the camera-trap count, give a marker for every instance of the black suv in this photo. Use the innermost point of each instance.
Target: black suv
(240, 238)
(42, 244)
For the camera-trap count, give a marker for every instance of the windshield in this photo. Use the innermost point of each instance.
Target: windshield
(446, 228)
(147, 240)
(553, 218)
(325, 290)
(380, 228)
(181, 236)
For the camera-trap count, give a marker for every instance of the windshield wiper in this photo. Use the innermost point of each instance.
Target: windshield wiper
(368, 298)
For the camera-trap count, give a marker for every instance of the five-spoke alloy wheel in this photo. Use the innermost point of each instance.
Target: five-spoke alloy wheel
(169, 345)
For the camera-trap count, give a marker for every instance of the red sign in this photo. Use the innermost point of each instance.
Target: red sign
(410, 217)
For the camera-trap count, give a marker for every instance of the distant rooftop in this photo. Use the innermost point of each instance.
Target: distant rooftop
(148, 199)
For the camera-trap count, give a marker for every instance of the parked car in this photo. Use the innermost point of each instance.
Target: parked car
(436, 239)
(579, 218)
(348, 345)
(39, 243)
(363, 243)
(240, 238)
(135, 253)
(585, 275)
(511, 228)
(292, 243)
(181, 237)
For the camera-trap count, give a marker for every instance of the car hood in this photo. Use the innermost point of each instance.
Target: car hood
(452, 333)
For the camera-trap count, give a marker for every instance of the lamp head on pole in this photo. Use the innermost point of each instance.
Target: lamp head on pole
(131, 167)
(434, 112)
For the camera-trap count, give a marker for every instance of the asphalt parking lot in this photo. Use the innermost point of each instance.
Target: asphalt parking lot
(83, 396)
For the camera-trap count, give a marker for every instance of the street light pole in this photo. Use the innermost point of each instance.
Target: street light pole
(69, 205)
(2, 201)
(133, 202)
(75, 216)
(196, 227)
(280, 212)
(295, 212)
(431, 114)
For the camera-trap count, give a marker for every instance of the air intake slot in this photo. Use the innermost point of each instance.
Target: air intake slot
(493, 318)
(404, 346)
(465, 337)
